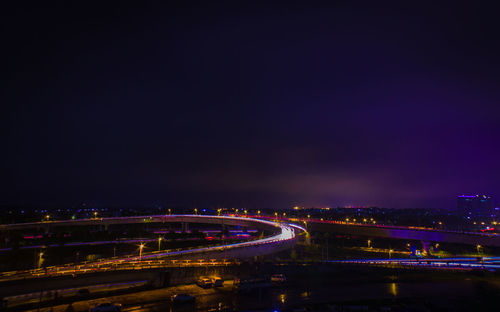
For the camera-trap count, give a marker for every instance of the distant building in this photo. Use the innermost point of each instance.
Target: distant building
(475, 205)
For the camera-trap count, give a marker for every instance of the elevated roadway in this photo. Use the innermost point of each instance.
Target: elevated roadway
(461, 263)
(283, 238)
(105, 222)
(406, 233)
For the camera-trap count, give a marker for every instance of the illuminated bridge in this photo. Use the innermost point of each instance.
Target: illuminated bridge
(456, 263)
(406, 233)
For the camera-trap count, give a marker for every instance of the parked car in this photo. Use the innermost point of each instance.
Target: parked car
(107, 307)
(278, 278)
(179, 298)
(204, 282)
(217, 281)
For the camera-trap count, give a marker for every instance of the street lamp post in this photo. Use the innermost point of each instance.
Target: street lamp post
(140, 251)
(159, 243)
(40, 259)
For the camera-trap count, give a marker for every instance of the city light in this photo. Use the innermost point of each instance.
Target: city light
(115, 113)
(141, 247)
(40, 259)
(282, 298)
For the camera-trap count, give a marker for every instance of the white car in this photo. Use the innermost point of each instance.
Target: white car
(107, 307)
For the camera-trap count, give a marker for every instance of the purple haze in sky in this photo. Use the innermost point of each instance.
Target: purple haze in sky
(245, 105)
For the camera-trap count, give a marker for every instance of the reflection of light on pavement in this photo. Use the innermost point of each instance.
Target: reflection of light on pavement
(283, 298)
(393, 289)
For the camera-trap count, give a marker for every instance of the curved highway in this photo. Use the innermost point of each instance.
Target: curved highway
(284, 238)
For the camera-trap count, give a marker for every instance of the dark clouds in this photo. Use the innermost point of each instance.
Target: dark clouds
(312, 104)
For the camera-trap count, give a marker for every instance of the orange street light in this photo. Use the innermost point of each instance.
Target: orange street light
(140, 251)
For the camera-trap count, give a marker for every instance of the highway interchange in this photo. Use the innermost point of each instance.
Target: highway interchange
(285, 231)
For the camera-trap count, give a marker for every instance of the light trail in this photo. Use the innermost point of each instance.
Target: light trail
(483, 263)
(286, 233)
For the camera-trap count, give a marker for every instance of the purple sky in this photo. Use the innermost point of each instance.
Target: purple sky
(320, 104)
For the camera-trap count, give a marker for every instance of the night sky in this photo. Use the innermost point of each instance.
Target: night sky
(196, 104)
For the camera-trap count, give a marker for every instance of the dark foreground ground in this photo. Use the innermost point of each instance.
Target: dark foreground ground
(325, 288)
